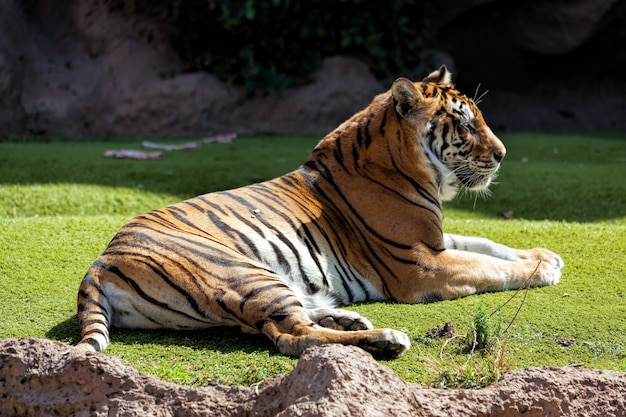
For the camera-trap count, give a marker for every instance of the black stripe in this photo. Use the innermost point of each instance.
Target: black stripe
(344, 277)
(256, 291)
(279, 316)
(89, 299)
(368, 136)
(282, 261)
(355, 157)
(431, 133)
(433, 248)
(338, 154)
(219, 299)
(383, 122)
(93, 342)
(214, 206)
(326, 174)
(175, 208)
(301, 227)
(239, 234)
(191, 203)
(312, 287)
(277, 301)
(344, 271)
(162, 221)
(444, 144)
(356, 214)
(418, 187)
(136, 287)
(180, 218)
(157, 269)
(313, 166)
(96, 331)
(221, 257)
(86, 323)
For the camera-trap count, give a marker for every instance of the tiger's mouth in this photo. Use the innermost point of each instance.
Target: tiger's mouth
(469, 174)
(475, 179)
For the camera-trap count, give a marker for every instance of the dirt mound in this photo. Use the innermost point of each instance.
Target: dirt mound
(40, 377)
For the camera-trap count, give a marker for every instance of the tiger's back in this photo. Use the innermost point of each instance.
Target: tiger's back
(360, 220)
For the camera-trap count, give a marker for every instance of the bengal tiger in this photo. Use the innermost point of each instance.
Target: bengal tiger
(360, 220)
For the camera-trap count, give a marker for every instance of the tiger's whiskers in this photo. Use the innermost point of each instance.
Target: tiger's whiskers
(478, 99)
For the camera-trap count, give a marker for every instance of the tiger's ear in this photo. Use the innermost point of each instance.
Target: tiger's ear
(405, 97)
(440, 76)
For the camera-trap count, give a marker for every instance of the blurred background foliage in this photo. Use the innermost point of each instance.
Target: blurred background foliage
(268, 46)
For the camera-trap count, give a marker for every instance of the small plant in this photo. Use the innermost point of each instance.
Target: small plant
(484, 345)
(485, 330)
(481, 357)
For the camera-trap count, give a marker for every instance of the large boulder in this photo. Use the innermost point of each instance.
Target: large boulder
(341, 87)
(12, 63)
(83, 69)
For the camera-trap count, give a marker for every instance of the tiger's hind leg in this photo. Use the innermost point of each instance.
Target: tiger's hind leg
(297, 332)
(385, 343)
(268, 305)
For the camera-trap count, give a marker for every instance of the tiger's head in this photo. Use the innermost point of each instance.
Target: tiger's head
(461, 149)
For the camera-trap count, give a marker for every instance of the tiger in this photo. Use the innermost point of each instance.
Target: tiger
(360, 220)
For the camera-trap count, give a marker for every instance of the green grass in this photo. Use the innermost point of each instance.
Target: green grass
(61, 202)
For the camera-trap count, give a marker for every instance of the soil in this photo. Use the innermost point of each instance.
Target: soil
(46, 378)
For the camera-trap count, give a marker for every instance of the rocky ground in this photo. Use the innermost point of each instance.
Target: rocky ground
(45, 378)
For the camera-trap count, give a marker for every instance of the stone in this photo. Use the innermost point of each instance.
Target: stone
(340, 88)
(46, 378)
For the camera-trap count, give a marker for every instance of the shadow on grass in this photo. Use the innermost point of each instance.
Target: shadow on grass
(220, 339)
(182, 174)
(569, 177)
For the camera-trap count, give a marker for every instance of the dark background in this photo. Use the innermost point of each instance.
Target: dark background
(188, 67)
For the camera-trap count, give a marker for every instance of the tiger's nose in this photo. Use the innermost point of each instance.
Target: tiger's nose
(498, 154)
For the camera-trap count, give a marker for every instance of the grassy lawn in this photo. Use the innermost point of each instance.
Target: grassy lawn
(61, 202)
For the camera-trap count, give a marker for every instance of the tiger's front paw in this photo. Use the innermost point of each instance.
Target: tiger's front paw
(543, 255)
(546, 268)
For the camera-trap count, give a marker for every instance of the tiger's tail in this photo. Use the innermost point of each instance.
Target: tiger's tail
(94, 313)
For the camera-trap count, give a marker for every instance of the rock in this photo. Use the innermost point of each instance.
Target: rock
(516, 45)
(13, 29)
(552, 108)
(338, 381)
(40, 377)
(94, 72)
(559, 27)
(47, 378)
(340, 88)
